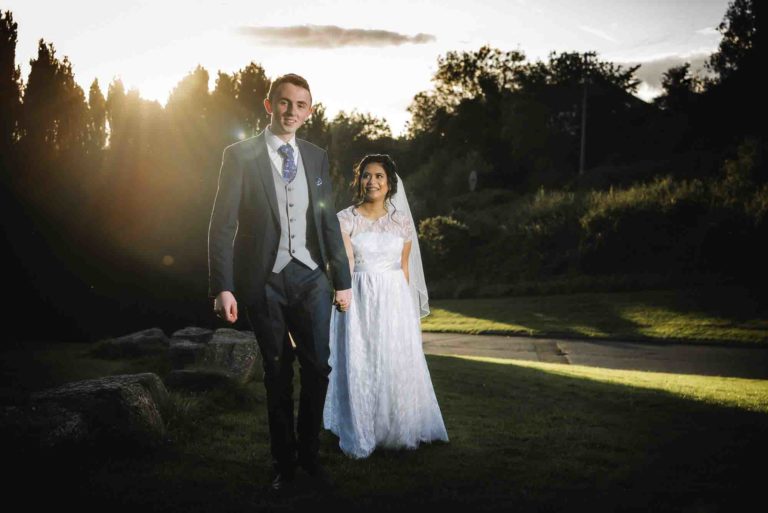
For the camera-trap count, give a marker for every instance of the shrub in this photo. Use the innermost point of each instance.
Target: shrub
(667, 228)
(446, 244)
(646, 228)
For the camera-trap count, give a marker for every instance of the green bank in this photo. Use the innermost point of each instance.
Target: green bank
(715, 315)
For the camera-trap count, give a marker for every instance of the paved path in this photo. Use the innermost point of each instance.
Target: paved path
(742, 362)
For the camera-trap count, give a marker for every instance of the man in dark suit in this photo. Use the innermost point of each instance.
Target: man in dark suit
(274, 200)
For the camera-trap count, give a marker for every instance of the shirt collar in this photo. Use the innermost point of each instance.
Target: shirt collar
(274, 142)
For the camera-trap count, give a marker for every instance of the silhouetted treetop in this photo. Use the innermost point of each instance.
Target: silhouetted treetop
(741, 39)
(10, 81)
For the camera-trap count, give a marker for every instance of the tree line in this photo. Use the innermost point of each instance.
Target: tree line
(106, 195)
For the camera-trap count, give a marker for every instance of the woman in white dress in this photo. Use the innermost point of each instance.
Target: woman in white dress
(380, 391)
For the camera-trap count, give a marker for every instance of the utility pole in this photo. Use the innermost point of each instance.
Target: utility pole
(585, 80)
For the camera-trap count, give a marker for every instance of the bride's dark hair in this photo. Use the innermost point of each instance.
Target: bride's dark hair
(389, 167)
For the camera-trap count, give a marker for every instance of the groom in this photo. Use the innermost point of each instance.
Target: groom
(274, 200)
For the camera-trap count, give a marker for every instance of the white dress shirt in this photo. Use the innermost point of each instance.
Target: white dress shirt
(274, 143)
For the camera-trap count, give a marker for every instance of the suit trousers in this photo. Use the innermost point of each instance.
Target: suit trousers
(298, 301)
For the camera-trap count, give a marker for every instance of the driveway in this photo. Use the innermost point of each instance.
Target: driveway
(680, 358)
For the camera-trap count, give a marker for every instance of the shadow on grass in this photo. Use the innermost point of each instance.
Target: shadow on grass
(628, 316)
(36, 366)
(520, 438)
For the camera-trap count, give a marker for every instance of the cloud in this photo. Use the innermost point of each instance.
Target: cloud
(329, 36)
(597, 32)
(651, 71)
(709, 31)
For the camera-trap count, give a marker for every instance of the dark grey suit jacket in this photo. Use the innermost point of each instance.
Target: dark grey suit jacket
(244, 231)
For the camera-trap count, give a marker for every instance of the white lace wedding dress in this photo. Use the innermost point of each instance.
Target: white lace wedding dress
(380, 392)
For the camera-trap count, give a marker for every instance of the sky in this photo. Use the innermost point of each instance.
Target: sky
(368, 56)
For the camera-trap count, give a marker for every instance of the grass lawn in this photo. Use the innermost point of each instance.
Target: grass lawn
(681, 316)
(523, 437)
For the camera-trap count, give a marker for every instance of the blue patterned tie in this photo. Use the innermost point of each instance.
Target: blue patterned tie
(289, 166)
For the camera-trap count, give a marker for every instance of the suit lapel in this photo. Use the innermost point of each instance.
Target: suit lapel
(264, 170)
(312, 174)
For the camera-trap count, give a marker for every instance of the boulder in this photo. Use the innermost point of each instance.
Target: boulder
(193, 334)
(42, 426)
(235, 353)
(149, 341)
(183, 353)
(124, 408)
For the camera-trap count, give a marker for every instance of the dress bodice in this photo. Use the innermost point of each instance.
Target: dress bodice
(377, 245)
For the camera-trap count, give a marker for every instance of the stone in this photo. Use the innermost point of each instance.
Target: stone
(234, 352)
(125, 408)
(184, 353)
(193, 334)
(42, 426)
(141, 343)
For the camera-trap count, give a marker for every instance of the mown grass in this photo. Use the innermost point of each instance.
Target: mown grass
(523, 436)
(724, 315)
(748, 394)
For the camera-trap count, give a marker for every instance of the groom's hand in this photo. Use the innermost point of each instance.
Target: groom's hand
(225, 306)
(342, 299)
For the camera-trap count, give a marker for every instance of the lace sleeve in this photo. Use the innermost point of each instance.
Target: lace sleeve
(405, 227)
(345, 221)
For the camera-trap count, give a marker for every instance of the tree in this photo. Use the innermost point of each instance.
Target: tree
(97, 122)
(224, 112)
(461, 76)
(316, 128)
(739, 29)
(735, 100)
(10, 82)
(252, 88)
(679, 86)
(189, 113)
(137, 127)
(353, 135)
(189, 99)
(54, 111)
(115, 111)
(522, 121)
(572, 68)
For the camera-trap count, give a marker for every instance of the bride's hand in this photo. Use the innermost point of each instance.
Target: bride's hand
(342, 299)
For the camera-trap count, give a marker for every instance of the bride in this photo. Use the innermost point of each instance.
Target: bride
(380, 392)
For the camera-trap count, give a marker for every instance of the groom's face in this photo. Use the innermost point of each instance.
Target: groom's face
(290, 106)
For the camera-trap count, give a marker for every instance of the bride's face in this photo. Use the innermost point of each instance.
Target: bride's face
(374, 182)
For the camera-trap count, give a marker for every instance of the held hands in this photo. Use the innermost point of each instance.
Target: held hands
(225, 306)
(342, 299)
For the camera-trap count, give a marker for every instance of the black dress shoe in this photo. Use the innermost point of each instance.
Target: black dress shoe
(283, 481)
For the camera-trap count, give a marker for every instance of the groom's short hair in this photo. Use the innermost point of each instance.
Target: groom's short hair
(290, 78)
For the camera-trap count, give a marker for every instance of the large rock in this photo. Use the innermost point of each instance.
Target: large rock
(41, 426)
(149, 341)
(235, 353)
(192, 334)
(124, 408)
(183, 353)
